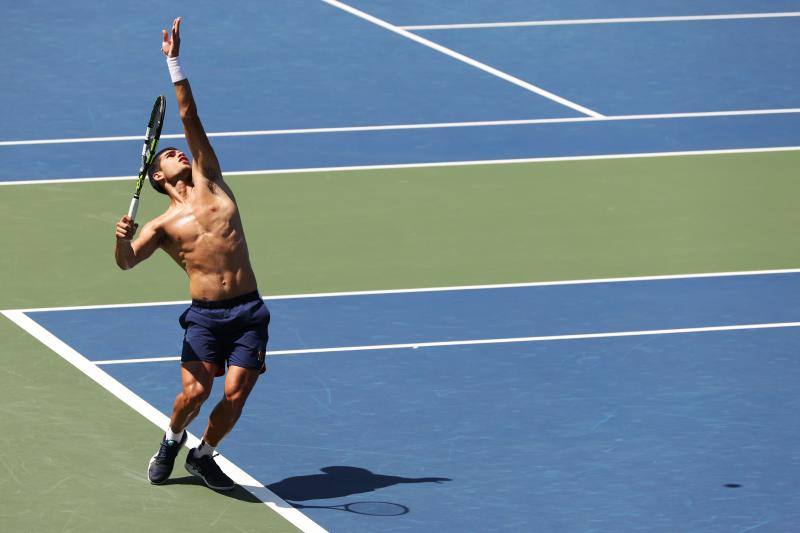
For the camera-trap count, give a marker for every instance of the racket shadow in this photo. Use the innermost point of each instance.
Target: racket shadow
(366, 508)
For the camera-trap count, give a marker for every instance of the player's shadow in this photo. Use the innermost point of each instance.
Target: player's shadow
(339, 481)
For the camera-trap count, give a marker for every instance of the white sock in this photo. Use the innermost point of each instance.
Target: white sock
(169, 435)
(204, 449)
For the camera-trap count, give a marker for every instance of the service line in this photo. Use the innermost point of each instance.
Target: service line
(473, 342)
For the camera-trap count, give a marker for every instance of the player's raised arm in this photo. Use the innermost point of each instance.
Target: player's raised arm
(203, 154)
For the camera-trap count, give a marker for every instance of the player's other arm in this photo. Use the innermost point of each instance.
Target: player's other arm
(204, 157)
(128, 254)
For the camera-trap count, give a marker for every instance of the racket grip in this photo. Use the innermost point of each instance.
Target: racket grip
(133, 208)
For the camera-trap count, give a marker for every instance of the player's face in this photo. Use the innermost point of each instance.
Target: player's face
(175, 165)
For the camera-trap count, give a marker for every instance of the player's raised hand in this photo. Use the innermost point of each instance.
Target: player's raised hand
(171, 43)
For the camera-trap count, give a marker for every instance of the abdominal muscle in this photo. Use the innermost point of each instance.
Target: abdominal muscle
(214, 254)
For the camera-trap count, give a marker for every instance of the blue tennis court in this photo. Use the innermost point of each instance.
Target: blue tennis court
(661, 404)
(656, 403)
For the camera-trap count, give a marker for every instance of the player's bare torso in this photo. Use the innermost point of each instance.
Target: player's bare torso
(203, 233)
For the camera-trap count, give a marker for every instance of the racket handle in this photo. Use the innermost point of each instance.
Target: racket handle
(133, 208)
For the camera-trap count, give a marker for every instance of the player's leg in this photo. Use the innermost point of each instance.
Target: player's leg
(238, 384)
(200, 462)
(202, 359)
(197, 377)
(248, 344)
(199, 363)
(247, 347)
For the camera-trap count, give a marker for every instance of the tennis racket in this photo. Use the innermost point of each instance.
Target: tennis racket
(151, 135)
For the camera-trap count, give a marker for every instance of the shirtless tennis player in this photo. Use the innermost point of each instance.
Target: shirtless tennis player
(227, 321)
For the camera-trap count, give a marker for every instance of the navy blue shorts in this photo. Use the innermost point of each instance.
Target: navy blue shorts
(235, 331)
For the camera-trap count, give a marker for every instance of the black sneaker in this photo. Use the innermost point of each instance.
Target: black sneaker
(206, 469)
(160, 466)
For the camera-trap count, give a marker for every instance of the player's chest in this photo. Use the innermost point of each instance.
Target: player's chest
(208, 219)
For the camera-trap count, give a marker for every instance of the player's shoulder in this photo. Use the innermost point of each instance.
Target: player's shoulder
(158, 223)
(207, 178)
(213, 191)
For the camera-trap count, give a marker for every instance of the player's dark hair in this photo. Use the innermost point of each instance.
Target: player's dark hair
(155, 166)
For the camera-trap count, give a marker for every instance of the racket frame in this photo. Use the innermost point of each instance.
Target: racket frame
(149, 149)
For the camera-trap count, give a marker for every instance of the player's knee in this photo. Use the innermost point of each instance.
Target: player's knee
(196, 394)
(236, 399)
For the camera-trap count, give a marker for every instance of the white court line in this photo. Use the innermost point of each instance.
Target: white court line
(430, 125)
(440, 289)
(464, 59)
(155, 416)
(437, 164)
(472, 342)
(569, 22)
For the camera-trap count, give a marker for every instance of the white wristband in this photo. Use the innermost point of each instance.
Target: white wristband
(175, 70)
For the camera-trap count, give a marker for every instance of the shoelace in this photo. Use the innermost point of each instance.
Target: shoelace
(163, 451)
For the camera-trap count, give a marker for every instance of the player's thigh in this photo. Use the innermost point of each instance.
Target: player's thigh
(198, 378)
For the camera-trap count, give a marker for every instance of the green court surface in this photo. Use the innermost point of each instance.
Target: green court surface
(73, 457)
